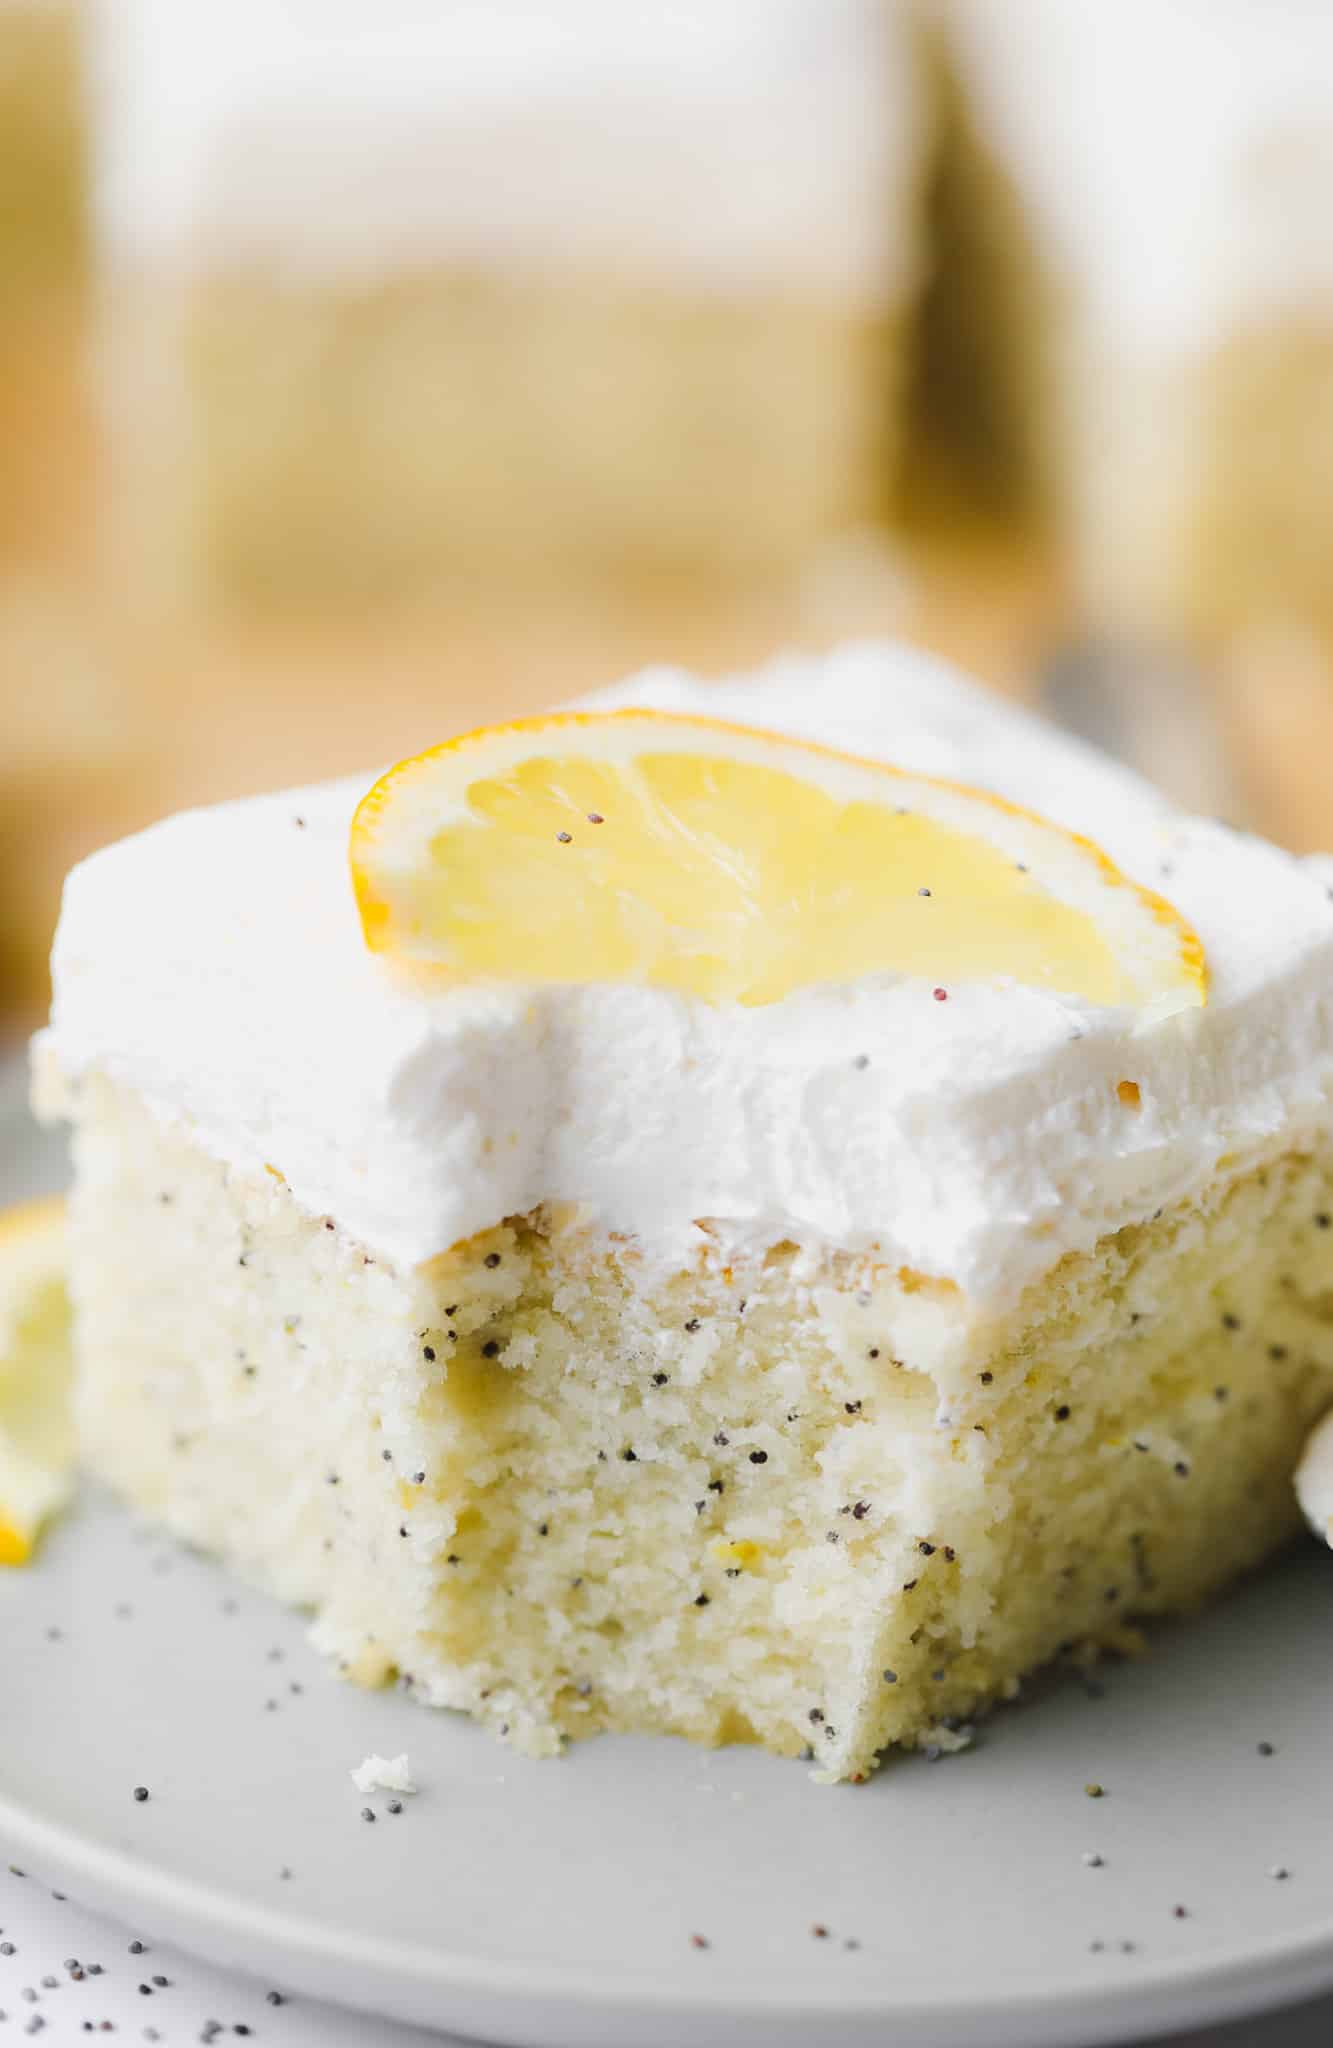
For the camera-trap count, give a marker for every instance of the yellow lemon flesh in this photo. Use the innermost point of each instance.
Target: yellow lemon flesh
(36, 1434)
(736, 865)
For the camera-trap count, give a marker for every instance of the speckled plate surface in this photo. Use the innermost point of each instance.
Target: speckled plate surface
(942, 1905)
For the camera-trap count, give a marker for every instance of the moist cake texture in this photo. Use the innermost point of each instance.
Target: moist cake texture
(597, 1358)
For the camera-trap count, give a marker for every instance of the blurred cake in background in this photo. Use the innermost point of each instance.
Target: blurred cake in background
(400, 296)
(453, 357)
(1176, 161)
(43, 250)
(60, 749)
(79, 764)
(1259, 565)
(974, 471)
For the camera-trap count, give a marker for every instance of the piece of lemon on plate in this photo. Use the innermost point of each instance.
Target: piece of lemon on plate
(737, 865)
(36, 1432)
(1314, 1479)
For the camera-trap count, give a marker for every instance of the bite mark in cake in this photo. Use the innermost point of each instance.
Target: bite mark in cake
(801, 1372)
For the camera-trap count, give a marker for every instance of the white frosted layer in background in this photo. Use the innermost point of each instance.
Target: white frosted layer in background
(1177, 154)
(732, 143)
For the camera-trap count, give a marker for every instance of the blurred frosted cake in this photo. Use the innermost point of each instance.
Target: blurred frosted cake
(796, 1342)
(398, 295)
(53, 766)
(975, 470)
(1175, 161)
(43, 249)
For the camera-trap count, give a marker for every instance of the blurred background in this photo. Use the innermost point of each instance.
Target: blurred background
(370, 368)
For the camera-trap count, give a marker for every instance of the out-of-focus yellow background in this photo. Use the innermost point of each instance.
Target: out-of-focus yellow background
(373, 368)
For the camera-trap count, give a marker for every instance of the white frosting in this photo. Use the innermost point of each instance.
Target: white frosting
(728, 142)
(215, 964)
(1177, 157)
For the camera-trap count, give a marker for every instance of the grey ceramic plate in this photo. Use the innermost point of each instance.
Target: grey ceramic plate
(557, 1903)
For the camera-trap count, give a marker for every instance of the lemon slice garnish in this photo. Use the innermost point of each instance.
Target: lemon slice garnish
(36, 1433)
(738, 865)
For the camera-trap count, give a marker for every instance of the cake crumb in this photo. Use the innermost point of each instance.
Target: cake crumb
(949, 1741)
(383, 1774)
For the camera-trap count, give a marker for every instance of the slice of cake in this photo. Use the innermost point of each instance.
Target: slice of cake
(1176, 186)
(400, 297)
(779, 1276)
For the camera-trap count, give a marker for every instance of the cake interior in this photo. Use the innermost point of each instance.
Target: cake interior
(1260, 551)
(371, 441)
(781, 1498)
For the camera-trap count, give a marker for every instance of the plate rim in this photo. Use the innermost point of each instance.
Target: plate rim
(1276, 1970)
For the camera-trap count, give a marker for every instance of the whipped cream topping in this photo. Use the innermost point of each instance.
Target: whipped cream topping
(215, 965)
(729, 143)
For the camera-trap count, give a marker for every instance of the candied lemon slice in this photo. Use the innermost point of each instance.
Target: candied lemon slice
(738, 865)
(36, 1435)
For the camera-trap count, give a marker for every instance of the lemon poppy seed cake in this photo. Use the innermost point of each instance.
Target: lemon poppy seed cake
(696, 1230)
